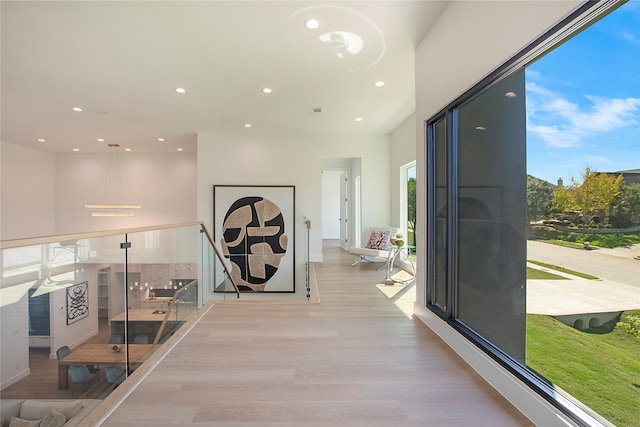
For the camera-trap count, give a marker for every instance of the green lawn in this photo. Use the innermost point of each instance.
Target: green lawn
(535, 274)
(599, 367)
(564, 270)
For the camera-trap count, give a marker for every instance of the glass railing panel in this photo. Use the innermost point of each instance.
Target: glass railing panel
(21, 260)
(102, 261)
(215, 271)
(74, 313)
(161, 265)
(181, 308)
(54, 313)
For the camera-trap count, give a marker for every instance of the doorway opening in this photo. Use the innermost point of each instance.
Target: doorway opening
(340, 200)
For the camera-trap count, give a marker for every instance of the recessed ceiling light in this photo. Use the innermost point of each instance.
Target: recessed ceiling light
(510, 94)
(247, 125)
(161, 139)
(100, 139)
(481, 128)
(379, 83)
(76, 149)
(312, 24)
(179, 149)
(266, 90)
(41, 140)
(78, 109)
(358, 119)
(127, 149)
(180, 90)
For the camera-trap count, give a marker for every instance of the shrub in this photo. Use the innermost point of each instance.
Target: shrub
(630, 324)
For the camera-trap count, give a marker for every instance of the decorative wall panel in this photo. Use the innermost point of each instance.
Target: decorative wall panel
(77, 302)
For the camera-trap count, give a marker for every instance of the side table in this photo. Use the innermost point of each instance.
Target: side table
(394, 252)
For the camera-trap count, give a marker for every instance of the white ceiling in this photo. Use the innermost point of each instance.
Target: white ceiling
(121, 61)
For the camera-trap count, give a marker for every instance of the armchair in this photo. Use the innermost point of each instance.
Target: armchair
(377, 246)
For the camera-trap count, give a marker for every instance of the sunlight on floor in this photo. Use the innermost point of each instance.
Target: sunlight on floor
(406, 299)
(402, 293)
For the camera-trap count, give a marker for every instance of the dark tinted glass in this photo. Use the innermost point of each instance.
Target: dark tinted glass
(491, 245)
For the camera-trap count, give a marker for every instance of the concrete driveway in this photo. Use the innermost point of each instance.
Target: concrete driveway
(618, 288)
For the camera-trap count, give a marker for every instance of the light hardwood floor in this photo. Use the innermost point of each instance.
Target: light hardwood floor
(355, 359)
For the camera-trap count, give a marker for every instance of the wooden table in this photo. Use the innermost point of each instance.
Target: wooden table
(145, 321)
(100, 355)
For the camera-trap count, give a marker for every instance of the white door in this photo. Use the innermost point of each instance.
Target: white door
(331, 205)
(343, 211)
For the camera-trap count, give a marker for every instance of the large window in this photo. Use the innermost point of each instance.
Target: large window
(490, 201)
(477, 229)
(513, 167)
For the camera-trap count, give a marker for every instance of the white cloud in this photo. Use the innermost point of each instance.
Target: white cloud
(597, 160)
(631, 38)
(555, 136)
(533, 74)
(609, 114)
(562, 123)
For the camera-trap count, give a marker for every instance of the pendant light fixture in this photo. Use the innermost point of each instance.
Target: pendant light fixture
(114, 203)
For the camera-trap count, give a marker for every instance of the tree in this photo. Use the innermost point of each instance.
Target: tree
(562, 200)
(625, 210)
(411, 208)
(539, 198)
(594, 195)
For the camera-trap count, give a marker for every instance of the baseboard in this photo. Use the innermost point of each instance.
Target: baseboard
(316, 258)
(20, 375)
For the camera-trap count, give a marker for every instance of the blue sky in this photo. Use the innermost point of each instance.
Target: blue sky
(583, 101)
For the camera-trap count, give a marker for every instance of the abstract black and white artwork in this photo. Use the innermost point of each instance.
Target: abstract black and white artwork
(254, 228)
(77, 302)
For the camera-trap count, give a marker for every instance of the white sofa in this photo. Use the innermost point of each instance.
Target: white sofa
(74, 410)
(377, 245)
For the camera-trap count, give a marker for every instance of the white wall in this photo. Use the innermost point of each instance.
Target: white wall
(14, 321)
(79, 331)
(355, 209)
(403, 151)
(28, 192)
(43, 193)
(250, 158)
(164, 184)
(14, 330)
